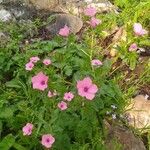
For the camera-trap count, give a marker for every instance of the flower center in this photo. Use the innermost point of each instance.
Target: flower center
(42, 82)
(47, 140)
(61, 105)
(86, 89)
(29, 129)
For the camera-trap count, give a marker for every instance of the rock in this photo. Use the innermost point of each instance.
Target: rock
(73, 6)
(5, 15)
(102, 6)
(138, 112)
(19, 10)
(73, 22)
(124, 139)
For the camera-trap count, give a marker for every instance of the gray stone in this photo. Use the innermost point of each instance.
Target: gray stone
(74, 23)
(73, 6)
(5, 15)
(124, 137)
(138, 113)
(19, 10)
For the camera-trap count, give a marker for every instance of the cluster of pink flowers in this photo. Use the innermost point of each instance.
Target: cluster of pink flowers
(138, 31)
(30, 65)
(91, 12)
(47, 139)
(68, 96)
(85, 89)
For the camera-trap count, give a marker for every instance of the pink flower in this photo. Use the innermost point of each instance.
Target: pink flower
(64, 31)
(90, 11)
(96, 62)
(47, 62)
(50, 94)
(40, 81)
(133, 47)
(138, 29)
(86, 88)
(47, 140)
(27, 129)
(94, 22)
(62, 105)
(34, 59)
(68, 96)
(29, 66)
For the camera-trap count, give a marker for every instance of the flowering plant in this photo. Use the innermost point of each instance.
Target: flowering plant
(60, 91)
(62, 95)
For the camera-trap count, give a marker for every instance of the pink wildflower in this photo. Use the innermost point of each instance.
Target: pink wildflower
(62, 105)
(90, 11)
(64, 31)
(40, 81)
(138, 29)
(68, 96)
(47, 62)
(94, 22)
(96, 62)
(86, 88)
(50, 94)
(133, 47)
(29, 66)
(47, 140)
(34, 59)
(27, 129)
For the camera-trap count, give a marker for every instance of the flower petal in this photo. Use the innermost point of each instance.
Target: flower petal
(93, 89)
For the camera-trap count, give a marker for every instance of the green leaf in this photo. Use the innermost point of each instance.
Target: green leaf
(68, 70)
(7, 142)
(19, 147)
(13, 84)
(6, 113)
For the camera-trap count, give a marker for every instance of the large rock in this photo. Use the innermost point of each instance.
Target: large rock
(72, 6)
(19, 10)
(138, 112)
(5, 15)
(73, 22)
(124, 139)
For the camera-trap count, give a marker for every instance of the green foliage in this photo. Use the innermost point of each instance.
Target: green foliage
(81, 126)
(7, 142)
